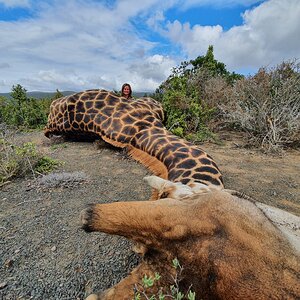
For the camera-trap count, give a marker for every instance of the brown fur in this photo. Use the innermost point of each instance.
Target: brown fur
(229, 249)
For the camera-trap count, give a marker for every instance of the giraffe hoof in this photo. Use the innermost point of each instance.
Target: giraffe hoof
(86, 218)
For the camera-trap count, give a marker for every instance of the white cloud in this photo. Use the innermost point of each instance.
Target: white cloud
(194, 40)
(154, 70)
(218, 3)
(15, 3)
(76, 45)
(269, 35)
(79, 44)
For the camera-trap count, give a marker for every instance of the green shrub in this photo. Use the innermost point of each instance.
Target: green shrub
(17, 160)
(21, 111)
(183, 95)
(46, 165)
(185, 112)
(201, 96)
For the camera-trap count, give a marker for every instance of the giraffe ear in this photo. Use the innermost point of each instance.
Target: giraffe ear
(158, 183)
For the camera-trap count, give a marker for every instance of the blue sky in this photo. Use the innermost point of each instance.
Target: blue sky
(83, 44)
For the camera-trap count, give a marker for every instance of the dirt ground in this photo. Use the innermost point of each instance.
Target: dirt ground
(45, 255)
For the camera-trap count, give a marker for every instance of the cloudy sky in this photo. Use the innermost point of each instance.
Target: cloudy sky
(81, 44)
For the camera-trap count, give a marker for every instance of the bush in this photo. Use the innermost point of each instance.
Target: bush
(17, 160)
(185, 111)
(46, 165)
(21, 111)
(189, 109)
(266, 106)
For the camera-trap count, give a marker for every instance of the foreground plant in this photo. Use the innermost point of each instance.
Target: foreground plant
(19, 159)
(171, 292)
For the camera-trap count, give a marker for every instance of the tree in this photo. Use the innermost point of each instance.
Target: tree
(21, 111)
(58, 94)
(206, 63)
(209, 62)
(2, 107)
(18, 94)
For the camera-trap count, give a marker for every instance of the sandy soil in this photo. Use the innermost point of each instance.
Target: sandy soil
(45, 255)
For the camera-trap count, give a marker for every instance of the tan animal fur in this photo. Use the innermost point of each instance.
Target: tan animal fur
(227, 245)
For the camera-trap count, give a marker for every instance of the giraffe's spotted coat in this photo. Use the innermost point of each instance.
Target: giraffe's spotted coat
(136, 124)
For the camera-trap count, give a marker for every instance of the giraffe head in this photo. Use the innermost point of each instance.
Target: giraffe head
(174, 190)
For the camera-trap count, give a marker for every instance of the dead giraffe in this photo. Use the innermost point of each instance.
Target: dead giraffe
(137, 125)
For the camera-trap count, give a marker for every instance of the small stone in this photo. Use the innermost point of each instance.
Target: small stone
(53, 248)
(9, 263)
(3, 285)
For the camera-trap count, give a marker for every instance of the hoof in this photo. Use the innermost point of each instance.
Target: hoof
(86, 217)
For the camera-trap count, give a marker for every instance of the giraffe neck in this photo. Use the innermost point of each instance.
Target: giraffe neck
(184, 161)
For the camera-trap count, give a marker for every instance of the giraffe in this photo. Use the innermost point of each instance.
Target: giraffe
(135, 124)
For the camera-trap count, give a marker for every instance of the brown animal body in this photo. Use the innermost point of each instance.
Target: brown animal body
(227, 246)
(135, 124)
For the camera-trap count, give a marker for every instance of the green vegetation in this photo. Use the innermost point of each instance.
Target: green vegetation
(46, 165)
(18, 159)
(58, 146)
(183, 96)
(18, 112)
(171, 292)
(24, 112)
(201, 97)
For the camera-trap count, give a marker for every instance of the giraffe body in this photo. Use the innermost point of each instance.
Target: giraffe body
(136, 124)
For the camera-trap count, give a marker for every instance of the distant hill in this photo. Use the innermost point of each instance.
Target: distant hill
(142, 94)
(40, 95)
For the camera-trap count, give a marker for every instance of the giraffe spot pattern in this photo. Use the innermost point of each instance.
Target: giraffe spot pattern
(135, 122)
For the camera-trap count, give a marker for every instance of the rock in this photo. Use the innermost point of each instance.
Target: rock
(3, 285)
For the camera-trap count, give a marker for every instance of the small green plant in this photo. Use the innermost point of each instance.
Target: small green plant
(171, 292)
(202, 136)
(46, 165)
(178, 131)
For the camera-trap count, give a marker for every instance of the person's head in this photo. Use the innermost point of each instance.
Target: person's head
(126, 90)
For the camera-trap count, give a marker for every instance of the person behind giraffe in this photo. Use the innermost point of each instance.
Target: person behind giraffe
(126, 91)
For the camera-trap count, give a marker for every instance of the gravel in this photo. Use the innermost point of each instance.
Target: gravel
(44, 254)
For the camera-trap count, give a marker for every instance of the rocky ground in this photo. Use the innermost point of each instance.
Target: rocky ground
(43, 252)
